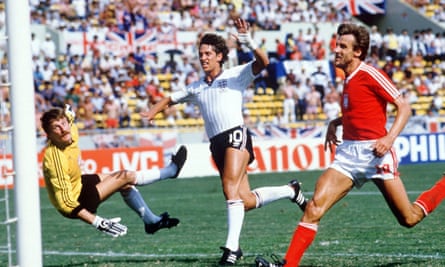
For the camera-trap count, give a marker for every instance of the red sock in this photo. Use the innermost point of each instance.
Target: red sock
(429, 200)
(301, 240)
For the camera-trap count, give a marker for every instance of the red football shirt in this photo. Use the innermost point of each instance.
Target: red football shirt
(365, 96)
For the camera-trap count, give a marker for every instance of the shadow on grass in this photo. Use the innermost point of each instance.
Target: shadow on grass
(398, 263)
(411, 262)
(149, 263)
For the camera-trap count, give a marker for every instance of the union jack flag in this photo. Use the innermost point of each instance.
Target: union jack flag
(123, 38)
(360, 7)
(131, 38)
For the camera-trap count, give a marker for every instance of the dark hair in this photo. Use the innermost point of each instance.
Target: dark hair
(49, 116)
(218, 42)
(361, 36)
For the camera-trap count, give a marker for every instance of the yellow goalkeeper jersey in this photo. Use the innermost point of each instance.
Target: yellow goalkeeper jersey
(61, 170)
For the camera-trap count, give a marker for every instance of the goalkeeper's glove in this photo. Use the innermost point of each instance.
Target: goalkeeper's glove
(110, 226)
(69, 113)
(246, 39)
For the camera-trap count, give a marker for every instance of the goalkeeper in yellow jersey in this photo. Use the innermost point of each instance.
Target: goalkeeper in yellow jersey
(77, 196)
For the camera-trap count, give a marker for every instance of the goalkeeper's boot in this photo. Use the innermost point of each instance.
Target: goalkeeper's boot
(230, 257)
(179, 159)
(165, 222)
(299, 197)
(262, 262)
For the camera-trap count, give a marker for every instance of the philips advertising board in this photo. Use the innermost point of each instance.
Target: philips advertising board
(421, 148)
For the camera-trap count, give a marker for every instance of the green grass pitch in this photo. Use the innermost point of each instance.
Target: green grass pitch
(359, 231)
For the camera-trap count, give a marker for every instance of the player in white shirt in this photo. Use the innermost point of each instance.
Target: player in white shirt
(219, 95)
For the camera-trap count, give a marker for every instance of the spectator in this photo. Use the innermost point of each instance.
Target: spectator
(106, 63)
(331, 108)
(418, 47)
(390, 44)
(333, 92)
(37, 77)
(432, 81)
(436, 104)
(376, 41)
(289, 92)
(411, 98)
(301, 91)
(48, 47)
(85, 113)
(405, 42)
(98, 17)
(290, 45)
(47, 73)
(153, 64)
(263, 45)
(124, 113)
(111, 111)
(320, 80)
(176, 84)
(431, 121)
(115, 60)
(184, 65)
(59, 88)
(98, 101)
(313, 103)
(35, 46)
(422, 88)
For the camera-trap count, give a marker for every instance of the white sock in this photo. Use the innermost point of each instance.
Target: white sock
(235, 218)
(147, 176)
(265, 195)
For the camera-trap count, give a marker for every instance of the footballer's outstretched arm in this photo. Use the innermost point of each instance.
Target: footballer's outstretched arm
(156, 108)
(86, 216)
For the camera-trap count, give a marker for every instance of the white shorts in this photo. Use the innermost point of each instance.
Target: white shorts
(356, 160)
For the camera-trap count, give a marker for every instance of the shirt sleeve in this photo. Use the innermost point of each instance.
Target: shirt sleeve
(179, 96)
(384, 85)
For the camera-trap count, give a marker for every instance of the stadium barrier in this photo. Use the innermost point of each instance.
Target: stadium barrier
(274, 155)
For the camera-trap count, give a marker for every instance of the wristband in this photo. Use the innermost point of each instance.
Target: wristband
(246, 39)
(97, 221)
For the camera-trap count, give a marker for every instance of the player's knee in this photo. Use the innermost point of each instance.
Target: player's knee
(408, 222)
(126, 176)
(313, 212)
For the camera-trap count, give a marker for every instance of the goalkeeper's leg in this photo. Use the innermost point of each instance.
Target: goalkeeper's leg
(135, 201)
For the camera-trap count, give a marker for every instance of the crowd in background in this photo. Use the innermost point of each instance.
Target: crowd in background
(102, 82)
(434, 9)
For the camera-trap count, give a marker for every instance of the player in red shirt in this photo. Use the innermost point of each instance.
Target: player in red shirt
(366, 152)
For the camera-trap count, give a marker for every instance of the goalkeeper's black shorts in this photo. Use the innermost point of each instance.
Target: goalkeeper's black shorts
(89, 196)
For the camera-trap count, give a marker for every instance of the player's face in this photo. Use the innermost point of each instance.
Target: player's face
(209, 59)
(60, 132)
(344, 51)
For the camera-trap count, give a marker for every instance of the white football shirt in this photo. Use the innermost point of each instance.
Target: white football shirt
(221, 102)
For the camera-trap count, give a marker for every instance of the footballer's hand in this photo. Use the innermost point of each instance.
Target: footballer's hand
(244, 36)
(70, 113)
(110, 226)
(382, 146)
(331, 139)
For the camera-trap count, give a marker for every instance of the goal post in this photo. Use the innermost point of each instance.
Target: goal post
(24, 143)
